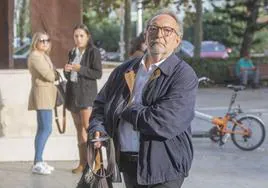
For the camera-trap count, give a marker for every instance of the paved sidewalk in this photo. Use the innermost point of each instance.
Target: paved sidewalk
(212, 167)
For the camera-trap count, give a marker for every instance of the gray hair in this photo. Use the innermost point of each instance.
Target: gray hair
(171, 14)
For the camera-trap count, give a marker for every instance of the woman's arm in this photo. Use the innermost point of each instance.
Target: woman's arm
(39, 63)
(66, 71)
(94, 72)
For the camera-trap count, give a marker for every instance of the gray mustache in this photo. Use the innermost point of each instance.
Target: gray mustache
(156, 42)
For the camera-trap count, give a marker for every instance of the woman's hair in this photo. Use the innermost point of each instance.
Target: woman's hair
(35, 40)
(84, 28)
(136, 44)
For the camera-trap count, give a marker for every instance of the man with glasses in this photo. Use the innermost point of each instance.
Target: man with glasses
(147, 106)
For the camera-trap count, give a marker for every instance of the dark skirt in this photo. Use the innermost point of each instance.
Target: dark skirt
(71, 100)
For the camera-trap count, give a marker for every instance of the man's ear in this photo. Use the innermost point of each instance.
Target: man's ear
(178, 40)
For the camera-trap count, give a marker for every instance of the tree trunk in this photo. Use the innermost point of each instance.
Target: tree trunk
(253, 11)
(198, 31)
(127, 27)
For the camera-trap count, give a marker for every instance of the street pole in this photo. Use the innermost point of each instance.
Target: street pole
(139, 17)
(122, 43)
(127, 27)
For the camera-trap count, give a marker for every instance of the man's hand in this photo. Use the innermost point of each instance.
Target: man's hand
(97, 144)
(76, 67)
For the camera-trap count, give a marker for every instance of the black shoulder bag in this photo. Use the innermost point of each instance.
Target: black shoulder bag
(60, 100)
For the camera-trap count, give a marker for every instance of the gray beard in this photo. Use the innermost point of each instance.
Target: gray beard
(156, 51)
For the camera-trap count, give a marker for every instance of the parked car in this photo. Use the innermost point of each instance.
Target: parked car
(103, 54)
(214, 49)
(17, 42)
(186, 49)
(22, 52)
(113, 56)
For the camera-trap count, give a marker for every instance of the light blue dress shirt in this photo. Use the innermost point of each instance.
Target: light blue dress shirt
(129, 139)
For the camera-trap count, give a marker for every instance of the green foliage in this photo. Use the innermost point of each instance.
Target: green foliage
(235, 23)
(260, 41)
(102, 7)
(215, 69)
(229, 23)
(218, 69)
(23, 27)
(97, 16)
(217, 27)
(106, 30)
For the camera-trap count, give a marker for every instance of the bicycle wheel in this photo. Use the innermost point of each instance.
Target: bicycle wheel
(256, 134)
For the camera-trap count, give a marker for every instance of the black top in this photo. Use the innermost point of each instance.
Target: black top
(85, 90)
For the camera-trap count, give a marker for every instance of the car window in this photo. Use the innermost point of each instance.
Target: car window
(187, 45)
(212, 47)
(22, 50)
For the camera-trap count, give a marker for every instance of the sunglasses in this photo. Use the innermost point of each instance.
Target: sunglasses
(44, 41)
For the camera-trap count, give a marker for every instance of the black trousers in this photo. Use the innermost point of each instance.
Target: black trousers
(129, 168)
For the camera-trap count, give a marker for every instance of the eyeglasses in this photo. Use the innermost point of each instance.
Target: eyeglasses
(44, 41)
(166, 31)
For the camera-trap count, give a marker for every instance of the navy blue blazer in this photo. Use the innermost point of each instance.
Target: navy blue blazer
(163, 119)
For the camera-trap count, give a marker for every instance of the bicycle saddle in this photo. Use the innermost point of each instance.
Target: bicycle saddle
(236, 88)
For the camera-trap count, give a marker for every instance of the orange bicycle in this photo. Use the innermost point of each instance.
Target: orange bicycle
(247, 131)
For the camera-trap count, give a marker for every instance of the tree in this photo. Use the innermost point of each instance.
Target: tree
(127, 27)
(23, 24)
(252, 13)
(198, 31)
(241, 19)
(106, 31)
(103, 8)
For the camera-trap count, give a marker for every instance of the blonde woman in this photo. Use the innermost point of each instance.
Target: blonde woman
(82, 72)
(42, 96)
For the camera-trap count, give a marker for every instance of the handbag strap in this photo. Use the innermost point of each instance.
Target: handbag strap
(63, 128)
(97, 155)
(59, 76)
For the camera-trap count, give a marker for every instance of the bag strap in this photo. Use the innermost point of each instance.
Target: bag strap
(63, 128)
(97, 155)
(59, 76)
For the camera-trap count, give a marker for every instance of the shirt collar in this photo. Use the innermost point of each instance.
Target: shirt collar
(77, 52)
(166, 68)
(155, 65)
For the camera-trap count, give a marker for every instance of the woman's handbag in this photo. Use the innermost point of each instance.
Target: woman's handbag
(61, 89)
(60, 100)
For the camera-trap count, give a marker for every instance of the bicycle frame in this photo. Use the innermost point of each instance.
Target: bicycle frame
(221, 122)
(238, 121)
(216, 120)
